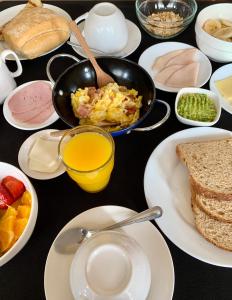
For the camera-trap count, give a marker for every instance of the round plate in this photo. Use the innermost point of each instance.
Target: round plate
(21, 125)
(7, 14)
(148, 57)
(134, 39)
(23, 158)
(169, 178)
(221, 73)
(57, 269)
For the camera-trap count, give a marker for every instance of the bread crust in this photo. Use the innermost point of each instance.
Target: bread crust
(195, 209)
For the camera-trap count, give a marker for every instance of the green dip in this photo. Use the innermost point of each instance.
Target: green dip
(197, 107)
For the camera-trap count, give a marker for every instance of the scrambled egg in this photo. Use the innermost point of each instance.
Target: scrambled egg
(111, 106)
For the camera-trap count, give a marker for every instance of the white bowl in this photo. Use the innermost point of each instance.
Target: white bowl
(212, 95)
(110, 266)
(216, 49)
(5, 170)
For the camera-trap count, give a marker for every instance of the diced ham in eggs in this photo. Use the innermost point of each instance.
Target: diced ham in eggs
(32, 104)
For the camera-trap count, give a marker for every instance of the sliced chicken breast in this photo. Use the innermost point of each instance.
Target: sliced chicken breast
(161, 61)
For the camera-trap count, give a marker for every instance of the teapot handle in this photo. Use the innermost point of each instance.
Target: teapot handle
(82, 17)
(163, 120)
(53, 58)
(19, 70)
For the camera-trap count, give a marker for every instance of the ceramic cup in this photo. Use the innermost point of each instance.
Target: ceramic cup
(105, 28)
(7, 82)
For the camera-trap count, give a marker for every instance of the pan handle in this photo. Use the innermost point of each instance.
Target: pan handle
(53, 58)
(158, 123)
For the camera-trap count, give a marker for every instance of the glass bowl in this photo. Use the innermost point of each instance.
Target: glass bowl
(165, 19)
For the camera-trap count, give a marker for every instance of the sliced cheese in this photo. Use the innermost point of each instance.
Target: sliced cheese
(43, 156)
(224, 86)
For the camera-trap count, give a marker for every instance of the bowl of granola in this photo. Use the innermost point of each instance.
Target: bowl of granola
(165, 19)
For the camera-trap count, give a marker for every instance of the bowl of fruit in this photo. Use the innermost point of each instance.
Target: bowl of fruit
(18, 211)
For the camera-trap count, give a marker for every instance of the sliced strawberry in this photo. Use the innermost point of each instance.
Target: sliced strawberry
(14, 186)
(5, 197)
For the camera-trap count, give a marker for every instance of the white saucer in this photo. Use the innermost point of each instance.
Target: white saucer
(23, 158)
(221, 73)
(57, 269)
(148, 57)
(21, 125)
(7, 14)
(134, 39)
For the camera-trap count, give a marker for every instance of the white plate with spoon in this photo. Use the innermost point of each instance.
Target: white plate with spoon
(57, 269)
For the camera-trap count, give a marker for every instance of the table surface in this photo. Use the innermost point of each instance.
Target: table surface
(60, 199)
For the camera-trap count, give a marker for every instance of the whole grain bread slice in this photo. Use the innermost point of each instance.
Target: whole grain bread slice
(217, 232)
(210, 166)
(218, 209)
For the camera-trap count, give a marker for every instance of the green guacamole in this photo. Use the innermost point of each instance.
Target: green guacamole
(197, 107)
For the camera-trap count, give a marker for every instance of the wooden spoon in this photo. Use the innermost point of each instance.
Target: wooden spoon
(102, 77)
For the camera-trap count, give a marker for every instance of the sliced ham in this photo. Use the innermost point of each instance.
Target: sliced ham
(185, 57)
(184, 77)
(33, 103)
(161, 61)
(163, 75)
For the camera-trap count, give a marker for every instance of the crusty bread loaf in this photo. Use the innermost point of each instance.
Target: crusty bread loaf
(217, 232)
(35, 31)
(210, 166)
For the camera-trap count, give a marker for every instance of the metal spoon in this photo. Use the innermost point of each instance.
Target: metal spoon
(68, 241)
(102, 77)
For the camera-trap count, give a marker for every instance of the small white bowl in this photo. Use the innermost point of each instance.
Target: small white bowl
(216, 49)
(5, 170)
(212, 95)
(110, 265)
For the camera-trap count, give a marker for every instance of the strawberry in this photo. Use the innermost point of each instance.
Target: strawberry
(5, 197)
(14, 186)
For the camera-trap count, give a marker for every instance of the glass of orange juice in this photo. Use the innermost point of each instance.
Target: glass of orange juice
(88, 153)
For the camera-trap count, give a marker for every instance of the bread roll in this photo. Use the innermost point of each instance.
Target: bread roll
(35, 31)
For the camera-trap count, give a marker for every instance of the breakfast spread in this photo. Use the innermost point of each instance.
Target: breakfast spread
(43, 156)
(15, 205)
(198, 107)
(210, 169)
(219, 28)
(89, 156)
(35, 30)
(111, 106)
(178, 68)
(32, 104)
(224, 88)
(165, 23)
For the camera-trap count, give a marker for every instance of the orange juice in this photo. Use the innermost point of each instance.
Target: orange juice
(89, 158)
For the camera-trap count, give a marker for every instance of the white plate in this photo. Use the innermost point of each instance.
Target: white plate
(21, 125)
(134, 39)
(23, 158)
(221, 73)
(7, 14)
(148, 57)
(56, 277)
(166, 183)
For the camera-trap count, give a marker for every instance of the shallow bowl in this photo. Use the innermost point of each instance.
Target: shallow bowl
(110, 265)
(5, 170)
(210, 94)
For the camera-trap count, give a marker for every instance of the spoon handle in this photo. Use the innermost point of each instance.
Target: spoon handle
(146, 215)
(73, 26)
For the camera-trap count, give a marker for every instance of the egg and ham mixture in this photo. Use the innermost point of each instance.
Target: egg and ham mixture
(111, 106)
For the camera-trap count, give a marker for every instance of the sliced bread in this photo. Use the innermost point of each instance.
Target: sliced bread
(210, 166)
(217, 232)
(216, 208)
